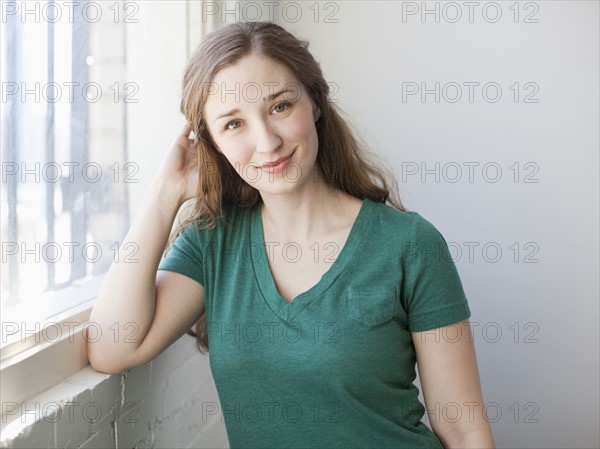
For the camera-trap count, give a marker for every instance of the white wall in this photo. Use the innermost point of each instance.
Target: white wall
(549, 375)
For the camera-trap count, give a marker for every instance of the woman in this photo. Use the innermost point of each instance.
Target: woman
(316, 296)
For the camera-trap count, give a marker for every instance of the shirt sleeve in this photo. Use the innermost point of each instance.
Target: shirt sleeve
(185, 256)
(434, 294)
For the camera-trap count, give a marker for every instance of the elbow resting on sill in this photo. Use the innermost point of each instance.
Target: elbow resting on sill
(106, 367)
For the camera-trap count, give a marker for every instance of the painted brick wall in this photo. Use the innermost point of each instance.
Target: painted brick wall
(168, 402)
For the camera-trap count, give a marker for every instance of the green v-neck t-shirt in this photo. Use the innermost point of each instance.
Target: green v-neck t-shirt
(335, 367)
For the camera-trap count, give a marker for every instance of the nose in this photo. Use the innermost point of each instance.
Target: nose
(267, 137)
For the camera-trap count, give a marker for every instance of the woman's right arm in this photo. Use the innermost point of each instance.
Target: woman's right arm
(139, 312)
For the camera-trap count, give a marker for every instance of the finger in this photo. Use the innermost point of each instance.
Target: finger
(186, 130)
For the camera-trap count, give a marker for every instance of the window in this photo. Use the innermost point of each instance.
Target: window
(65, 171)
(65, 178)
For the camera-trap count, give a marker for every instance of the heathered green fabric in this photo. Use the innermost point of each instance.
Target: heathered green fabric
(335, 367)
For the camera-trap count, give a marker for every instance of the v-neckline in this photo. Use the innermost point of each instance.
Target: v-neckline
(262, 271)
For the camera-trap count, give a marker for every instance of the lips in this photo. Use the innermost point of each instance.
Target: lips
(277, 161)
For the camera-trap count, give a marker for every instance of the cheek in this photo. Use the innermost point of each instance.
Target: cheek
(302, 129)
(236, 151)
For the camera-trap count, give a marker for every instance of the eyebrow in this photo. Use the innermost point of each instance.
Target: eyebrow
(277, 94)
(226, 114)
(272, 97)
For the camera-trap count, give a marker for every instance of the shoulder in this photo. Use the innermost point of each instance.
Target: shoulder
(406, 232)
(231, 213)
(409, 224)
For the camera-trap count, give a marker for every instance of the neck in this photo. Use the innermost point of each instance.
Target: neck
(307, 214)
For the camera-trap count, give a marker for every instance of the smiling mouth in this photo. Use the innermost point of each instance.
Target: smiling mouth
(278, 161)
(277, 166)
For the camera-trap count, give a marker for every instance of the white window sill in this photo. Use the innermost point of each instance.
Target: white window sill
(20, 417)
(37, 355)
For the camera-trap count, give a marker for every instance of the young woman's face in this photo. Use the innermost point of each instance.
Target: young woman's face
(258, 113)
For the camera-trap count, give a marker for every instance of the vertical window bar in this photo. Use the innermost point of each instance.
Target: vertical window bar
(50, 150)
(79, 148)
(11, 140)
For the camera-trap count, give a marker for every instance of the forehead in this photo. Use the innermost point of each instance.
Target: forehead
(249, 80)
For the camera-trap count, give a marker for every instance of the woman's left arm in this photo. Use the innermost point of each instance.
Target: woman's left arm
(450, 381)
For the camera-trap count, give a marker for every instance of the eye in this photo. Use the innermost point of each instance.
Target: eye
(233, 122)
(281, 107)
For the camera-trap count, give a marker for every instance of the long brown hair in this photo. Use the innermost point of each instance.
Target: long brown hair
(343, 159)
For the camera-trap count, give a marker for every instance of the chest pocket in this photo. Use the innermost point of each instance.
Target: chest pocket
(371, 307)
